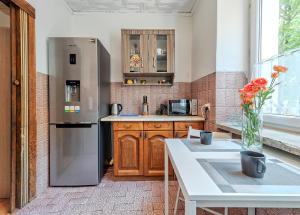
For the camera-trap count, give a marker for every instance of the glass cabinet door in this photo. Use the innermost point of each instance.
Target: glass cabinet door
(161, 58)
(134, 53)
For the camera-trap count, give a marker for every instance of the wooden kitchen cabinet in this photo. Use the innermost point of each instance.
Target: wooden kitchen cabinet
(129, 126)
(139, 146)
(180, 134)
(154, 152)
(181, 128)
(128, 153)
(148, 56)
(158, 126)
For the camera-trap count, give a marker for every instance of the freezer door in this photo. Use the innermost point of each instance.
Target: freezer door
(74, 155)
(73, 80)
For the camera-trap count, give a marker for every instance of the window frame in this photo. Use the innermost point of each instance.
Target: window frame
(282, 122)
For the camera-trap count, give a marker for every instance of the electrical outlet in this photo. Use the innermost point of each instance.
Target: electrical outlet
(206, 106)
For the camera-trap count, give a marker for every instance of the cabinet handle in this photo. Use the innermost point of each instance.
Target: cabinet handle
(153, 62)
(157, 125)
(127, 126)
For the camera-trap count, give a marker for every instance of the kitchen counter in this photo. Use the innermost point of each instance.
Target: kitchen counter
(152, 118)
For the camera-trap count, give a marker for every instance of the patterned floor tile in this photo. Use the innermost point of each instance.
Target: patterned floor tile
(119, 198)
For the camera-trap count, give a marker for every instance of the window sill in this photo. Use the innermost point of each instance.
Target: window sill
(283, 140)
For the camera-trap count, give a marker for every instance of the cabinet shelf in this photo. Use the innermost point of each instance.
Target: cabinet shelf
(148, 84)
(148, 74)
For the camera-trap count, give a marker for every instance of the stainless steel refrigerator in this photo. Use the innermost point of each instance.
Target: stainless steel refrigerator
(79, 96)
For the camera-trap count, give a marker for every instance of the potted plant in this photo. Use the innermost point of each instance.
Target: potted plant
(253, 96)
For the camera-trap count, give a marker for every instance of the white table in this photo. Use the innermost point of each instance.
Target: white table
(200, 190)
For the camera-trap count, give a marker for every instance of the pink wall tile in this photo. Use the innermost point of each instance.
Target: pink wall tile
(131, 97)
(42, 165)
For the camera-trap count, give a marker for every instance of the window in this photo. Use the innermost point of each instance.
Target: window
(279, 43)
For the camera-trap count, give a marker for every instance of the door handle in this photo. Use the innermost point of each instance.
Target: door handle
(157, 125)
(16, 82)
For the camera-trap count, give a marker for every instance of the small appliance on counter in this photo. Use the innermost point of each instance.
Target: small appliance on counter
(183, 107)
(116, 109)
(163, 110)
(79, 96)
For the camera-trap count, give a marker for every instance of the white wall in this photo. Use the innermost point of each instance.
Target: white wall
(204, 35)
(233, 36)
(53, 19)
(107, 27)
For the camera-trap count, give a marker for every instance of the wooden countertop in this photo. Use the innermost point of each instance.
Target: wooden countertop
(152, 118)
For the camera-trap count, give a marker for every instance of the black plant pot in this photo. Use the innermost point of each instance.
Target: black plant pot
(253, 164)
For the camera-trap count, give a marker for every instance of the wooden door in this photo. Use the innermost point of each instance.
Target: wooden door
(5, 113)
(128, 153)
(154, 146)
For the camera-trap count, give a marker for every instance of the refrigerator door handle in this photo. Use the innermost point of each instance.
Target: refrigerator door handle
(75, 125)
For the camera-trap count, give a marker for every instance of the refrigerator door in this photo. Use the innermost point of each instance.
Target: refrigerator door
(73, 80)
(74, 151)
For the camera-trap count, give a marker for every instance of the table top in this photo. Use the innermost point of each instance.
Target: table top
(198, 184)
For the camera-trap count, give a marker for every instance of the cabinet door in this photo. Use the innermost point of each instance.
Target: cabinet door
(161, 52)
(128, 153)
(134, 51)
(154, 151)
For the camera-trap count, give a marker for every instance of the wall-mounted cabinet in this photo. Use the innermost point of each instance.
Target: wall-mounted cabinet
(148, 57)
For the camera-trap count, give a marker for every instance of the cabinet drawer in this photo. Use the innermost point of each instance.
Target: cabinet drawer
(131, 126)
(180, 134)
(183, 126)
(158, 126)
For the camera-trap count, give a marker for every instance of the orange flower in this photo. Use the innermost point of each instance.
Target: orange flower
(261, 83)
(279, 68)
(247, 98)
(250, 88)
(275, 75)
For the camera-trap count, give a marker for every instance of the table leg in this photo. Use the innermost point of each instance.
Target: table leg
(190, 208)
(166, 181)
(251, 211)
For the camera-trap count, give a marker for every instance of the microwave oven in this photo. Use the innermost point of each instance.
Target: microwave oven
(183, 107)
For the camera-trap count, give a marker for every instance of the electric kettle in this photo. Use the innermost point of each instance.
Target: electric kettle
(116, 109)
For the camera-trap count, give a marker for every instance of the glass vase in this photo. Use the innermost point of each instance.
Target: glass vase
(252, 125)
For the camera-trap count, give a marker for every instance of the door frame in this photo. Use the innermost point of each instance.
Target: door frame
(17, 158)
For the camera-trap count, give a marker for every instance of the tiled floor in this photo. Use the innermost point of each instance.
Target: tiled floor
(110, 197)
(118, 198)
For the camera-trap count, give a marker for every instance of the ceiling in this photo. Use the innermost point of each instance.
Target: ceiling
(132, 6)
